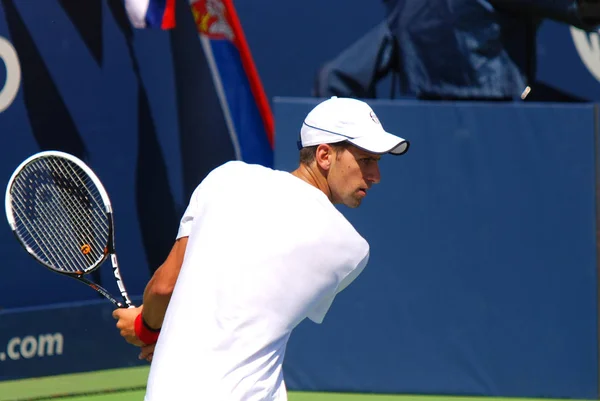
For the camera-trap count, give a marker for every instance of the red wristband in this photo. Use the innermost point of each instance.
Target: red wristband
(144, 333)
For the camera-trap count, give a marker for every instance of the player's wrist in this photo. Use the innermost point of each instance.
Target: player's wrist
(144, 332)
(147, 326)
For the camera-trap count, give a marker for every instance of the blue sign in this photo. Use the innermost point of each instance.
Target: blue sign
(60, 339)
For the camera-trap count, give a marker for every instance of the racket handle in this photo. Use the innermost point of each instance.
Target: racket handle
(120, 284)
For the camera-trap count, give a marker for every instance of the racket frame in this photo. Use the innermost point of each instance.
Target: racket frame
(110, 246)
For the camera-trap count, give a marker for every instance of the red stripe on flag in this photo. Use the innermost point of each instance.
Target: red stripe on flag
(168, 21)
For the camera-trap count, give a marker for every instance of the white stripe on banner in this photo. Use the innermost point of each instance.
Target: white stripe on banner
(221, 93)
(136, 10)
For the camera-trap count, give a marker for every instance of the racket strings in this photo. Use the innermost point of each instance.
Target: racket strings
(73, 199)
(42, 249)
(73, 207)
(48, 237)
(59, 210)
(63, 227)
(60, 215)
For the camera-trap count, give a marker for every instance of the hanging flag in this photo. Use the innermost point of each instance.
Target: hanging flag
(243, 103)
(151, 13)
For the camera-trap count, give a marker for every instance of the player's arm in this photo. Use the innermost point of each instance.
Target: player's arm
(156, 297)
(157, 294)
(160, 288)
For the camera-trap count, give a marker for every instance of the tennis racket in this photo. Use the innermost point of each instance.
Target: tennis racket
(61, 214)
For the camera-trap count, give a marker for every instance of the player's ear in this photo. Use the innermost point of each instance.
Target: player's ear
(324, 155)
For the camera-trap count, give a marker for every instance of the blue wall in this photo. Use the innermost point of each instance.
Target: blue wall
(62, 338)
(482, 277)
(290, 40)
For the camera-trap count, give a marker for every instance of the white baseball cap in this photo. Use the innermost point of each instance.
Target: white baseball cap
(345, 119)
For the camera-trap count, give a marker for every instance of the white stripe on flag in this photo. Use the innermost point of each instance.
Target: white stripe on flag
(221, 94)
(136, 11)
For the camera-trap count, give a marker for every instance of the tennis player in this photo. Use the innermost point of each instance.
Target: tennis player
(258, 251)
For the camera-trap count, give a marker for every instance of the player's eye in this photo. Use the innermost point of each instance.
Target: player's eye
(368, 160)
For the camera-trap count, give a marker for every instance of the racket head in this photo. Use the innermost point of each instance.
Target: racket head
(60, 212)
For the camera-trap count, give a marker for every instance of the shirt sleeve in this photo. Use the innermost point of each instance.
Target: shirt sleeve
(191, 213)
(317, 313)
(353, 274)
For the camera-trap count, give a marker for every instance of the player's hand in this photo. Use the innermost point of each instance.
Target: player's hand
(126, 324)
(147, 352)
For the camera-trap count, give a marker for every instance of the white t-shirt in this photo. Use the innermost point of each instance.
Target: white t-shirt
(265, 251)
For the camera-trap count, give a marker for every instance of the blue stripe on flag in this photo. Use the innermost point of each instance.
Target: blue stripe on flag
(248, 122)
(155, 13)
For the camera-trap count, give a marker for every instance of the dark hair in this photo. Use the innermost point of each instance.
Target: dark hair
(307, 154)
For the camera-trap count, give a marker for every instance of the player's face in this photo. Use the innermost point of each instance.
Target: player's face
(352, 173)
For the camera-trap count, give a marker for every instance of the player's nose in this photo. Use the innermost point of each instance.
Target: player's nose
(374, 174)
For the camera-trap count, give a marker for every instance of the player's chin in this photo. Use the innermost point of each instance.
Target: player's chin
(353, 202)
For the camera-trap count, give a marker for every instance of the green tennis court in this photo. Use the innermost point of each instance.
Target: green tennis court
(128, 384)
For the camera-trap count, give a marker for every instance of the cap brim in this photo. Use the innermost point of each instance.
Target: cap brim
(382, 143)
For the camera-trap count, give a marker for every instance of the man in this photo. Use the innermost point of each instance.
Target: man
(453, 50)
(257, 252)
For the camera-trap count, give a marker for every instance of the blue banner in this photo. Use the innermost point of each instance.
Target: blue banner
(67, 338)
(482, 278)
